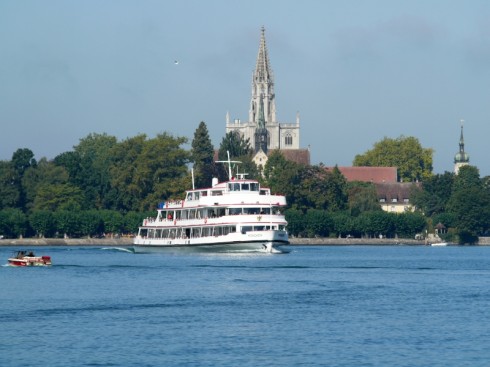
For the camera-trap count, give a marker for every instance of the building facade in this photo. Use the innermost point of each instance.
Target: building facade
(262, 128)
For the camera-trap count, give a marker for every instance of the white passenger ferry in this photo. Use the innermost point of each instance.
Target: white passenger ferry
(236, 215)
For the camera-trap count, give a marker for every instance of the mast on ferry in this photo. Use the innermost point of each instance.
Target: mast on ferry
(229, 162)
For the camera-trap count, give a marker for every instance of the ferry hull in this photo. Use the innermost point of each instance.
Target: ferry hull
(254, 242)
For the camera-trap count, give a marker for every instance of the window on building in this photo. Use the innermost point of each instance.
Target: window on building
(288, 139)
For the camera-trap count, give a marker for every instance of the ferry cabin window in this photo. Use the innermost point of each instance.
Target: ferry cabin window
(235, 211)
(254, 186)
(204, 193)
(196, 232)
(245, 187)
(251, 210)
(246, 229)
(216, 193)
(234, 186)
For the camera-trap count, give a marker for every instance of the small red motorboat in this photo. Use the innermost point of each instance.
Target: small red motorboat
(23, 258)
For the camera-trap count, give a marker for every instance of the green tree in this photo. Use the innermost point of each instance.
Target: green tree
(470, 203)
(376, 223)
(22, 159)
(124, 172)
(362, 197)
(43, 223)
(58, 197)
(319, 189)
(9, 190)
(68, 222)
(113, 221)
(342, 223)
(414, 162)
(91, 223)
(147, 171)
(296, 222)
(435, 194)
(318, 223)
(203, 157)
(235, 144)
(95, 159)
(409, 224)
(45, 173)
(281, 175)
(132, 220)
(13, 223)
(162, 170)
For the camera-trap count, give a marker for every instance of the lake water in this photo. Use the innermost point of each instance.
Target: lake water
(316, 306)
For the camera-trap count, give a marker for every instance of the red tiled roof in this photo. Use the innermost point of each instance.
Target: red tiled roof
(369, 174)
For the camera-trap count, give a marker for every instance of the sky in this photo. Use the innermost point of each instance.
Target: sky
(355, 71)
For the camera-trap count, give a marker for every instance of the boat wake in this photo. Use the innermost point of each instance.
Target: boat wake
(121, 249)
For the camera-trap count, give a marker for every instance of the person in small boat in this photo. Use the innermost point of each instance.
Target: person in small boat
(30, 254)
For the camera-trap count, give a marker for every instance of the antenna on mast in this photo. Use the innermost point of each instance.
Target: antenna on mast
(229, 162)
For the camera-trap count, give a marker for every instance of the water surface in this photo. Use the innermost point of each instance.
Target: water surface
(317, 306)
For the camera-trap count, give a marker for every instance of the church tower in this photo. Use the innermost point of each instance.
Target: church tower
(461, 158)
(262, 129)
(262, 126)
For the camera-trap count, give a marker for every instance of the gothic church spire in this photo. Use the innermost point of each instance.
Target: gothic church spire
(263, 85)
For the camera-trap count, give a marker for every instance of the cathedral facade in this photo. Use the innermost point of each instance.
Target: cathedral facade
(262, 128)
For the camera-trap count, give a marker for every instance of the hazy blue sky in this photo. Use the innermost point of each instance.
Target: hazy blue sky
(355, 70)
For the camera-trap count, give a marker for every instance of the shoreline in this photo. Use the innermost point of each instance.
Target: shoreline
(129, 242)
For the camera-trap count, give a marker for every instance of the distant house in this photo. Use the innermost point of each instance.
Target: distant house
(393, 196)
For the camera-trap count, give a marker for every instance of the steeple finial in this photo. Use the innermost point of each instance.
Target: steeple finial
(461, 140)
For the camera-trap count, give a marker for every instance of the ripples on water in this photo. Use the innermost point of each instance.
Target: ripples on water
(317, 306)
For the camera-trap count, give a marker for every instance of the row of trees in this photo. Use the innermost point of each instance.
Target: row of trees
(103, 177)
(69, 223)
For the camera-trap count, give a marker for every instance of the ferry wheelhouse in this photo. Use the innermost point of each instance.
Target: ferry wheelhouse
(236, 215)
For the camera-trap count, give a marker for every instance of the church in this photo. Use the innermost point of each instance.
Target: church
(262, 128)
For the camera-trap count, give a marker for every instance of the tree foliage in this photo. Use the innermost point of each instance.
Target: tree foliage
(203, 157)
(362, 197)
(470, 204)
(414, 162)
